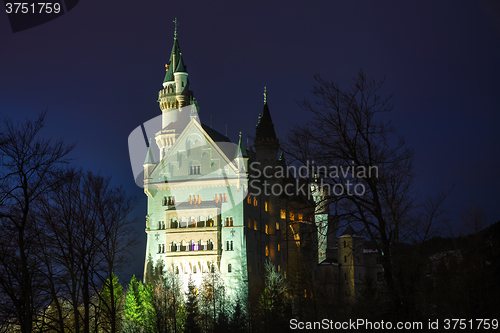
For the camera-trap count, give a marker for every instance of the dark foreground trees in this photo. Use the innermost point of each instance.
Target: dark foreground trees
(372, 188)
(64, 234)
(87, 235)
(30, 169)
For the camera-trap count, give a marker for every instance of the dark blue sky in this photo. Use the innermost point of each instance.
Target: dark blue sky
(98, 69)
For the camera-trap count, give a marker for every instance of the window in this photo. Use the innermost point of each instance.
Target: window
(279, 268)
(249, 223)
(194, 170)
(168, 201)
(220, 197)
(380, 276)
(161, 248)
(255, 202)
(267, 251)
(229, 268)
(249, 200)
(277, 226)
(283, 214)
(292, 216)
(279, 247)
(177, 270)
(229, 245)
(194, 269)
(345, 259)
(345, 276)
(212, 269)
(210, 245)
(344, 245)
(301, 217)
(194, 199)
(229, 221)
(254, 225)
(265, 206)
(267, 229)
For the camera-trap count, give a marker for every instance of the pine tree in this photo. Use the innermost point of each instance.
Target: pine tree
(191, 325)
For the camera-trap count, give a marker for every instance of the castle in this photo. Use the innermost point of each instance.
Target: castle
(213, 206)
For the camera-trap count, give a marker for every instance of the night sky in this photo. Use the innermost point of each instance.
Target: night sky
(97, 71)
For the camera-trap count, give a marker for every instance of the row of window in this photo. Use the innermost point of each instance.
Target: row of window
(191, 246)
(195, 170)
(195, 269)
(194, 199)
(266, 226)
(168, 201)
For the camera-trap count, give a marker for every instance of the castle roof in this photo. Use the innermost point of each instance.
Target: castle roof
(349, 231)
(175, 63)
(265, 127)
(150, 157)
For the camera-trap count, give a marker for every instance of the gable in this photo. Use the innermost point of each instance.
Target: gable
(195, 155)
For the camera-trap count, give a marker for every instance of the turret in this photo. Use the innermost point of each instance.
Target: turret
(149, 163)
(241, 157)
(174, 95)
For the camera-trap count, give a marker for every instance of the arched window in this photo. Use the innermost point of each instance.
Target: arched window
(255, 202)
(210, 245)
(231, 221)
(267, 251)
(345, 259)
(176, 269)
(229, 268)
(344, 245)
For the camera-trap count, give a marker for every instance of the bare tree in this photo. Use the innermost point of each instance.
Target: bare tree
(366, 168)
(86, 224)
(30, 169)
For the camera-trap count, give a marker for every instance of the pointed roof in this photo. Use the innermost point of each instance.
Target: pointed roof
(175, 62)
(150, 156)
(349, 231)
(265, 127)
(180, 66)
(241, 151)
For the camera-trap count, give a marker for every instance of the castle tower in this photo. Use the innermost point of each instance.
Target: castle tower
(174, 95)
(350, 251)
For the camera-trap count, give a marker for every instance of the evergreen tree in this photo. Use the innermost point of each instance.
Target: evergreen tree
(191, 325)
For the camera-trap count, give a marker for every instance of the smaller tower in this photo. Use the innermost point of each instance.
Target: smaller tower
(350, 251)
(241, 157)
(149, 163)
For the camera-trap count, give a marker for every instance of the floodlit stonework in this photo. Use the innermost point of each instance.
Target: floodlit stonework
(208, 210)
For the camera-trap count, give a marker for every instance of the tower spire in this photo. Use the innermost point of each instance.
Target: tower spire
(175, 29)
(265, 95)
